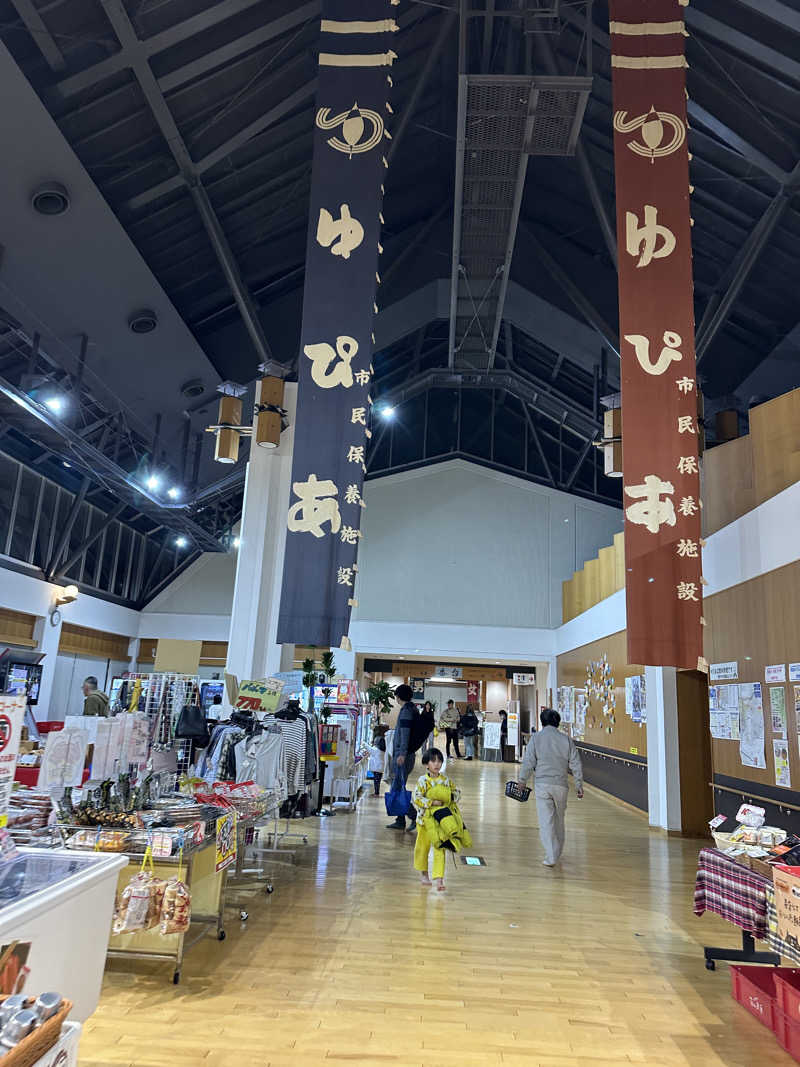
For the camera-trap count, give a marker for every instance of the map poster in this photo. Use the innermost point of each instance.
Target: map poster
(751, 726)
(780, 750)
(777, 707)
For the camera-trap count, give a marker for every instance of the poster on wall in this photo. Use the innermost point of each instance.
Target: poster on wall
(751, 726)
(581, 703)
(635, 702)
(775, 673)
(723, 672)
(777, 707)
(794, 672)
(780, 751)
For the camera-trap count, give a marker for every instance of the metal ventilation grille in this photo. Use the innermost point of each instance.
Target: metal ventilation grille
(557, 105)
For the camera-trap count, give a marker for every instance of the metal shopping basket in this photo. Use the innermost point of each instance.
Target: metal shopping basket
(517, 791)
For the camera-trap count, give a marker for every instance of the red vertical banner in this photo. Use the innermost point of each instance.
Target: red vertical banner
(660, 432)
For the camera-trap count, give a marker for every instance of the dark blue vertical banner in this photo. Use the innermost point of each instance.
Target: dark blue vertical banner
(335, 370)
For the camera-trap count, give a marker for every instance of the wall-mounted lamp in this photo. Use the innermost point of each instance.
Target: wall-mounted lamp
(66, 595)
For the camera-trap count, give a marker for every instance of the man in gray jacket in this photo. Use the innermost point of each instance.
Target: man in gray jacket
(550, 755)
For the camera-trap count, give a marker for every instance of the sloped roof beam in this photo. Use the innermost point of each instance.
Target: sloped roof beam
(720, 304)
(42, 37)
(159, 42)
(583, 305)
(123, 27)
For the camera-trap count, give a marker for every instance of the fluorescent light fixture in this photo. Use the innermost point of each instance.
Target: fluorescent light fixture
(387, 412)
(181, 542)
(174, 492)
(153, 481)
(55, 403)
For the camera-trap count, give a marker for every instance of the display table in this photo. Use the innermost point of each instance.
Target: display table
(207, 886)
(62, 903)
(741, 896)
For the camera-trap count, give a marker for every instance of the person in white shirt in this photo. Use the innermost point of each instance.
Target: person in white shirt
(550, 755)
(377, 756)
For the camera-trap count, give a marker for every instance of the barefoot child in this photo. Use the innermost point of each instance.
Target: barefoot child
(439, 824)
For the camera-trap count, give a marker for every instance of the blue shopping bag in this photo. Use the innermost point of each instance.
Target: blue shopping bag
(398, 799)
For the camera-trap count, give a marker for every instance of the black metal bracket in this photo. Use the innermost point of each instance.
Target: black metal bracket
(746, 954)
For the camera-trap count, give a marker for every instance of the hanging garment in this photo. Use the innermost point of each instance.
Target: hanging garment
(294, 747)
(263, 763)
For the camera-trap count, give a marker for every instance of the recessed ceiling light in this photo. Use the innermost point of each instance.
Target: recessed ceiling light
(143, 321)
(193, 388)
(50, 199)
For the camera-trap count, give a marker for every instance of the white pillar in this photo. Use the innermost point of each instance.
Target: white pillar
(47, 639)
(345, 663)
(252, 649)
(663, 757)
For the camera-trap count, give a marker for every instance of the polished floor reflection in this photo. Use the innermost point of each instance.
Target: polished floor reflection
(597, 962)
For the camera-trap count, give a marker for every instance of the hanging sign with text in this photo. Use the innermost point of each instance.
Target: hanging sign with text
(660, 432)
(335, 370)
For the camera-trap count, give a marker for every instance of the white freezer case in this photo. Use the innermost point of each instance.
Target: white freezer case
(62, 902)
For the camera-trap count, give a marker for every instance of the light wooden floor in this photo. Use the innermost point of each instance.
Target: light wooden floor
(596, 963)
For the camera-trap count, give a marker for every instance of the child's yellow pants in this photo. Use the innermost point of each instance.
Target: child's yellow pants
(421, 850)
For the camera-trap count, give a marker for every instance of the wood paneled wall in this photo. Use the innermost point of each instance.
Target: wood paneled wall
(17, 628)
(626, 734)
(727, 489)
(775, 433)
(598, 579)
(82, 641)
(757, 624)
(212, 654)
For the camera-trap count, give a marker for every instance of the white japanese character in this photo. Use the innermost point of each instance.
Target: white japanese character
(342, 235)
(355, 454)
(686, 385)
(643, 238)
(345, 576)
(352, 495)
(322, 355)
(669, 353)
(359, 416)
(651, 511)
(350, 535)
(687, 590)
(317, 505)
(687, 549)
(687, 465)
(688, 506)
(686, 424)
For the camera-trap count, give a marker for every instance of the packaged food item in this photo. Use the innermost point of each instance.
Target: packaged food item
(134, 905)
(158, 887)
(176, 909)
(100, 840)
(770, 836)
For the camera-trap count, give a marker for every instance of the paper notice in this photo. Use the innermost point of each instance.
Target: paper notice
(777, 707)
(751, 726)
(780, 751)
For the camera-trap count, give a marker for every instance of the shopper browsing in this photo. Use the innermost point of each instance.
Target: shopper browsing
(403, 748)
(448, 722)
(550, 755)
(95, 700)
(503, 735)
(440, 825)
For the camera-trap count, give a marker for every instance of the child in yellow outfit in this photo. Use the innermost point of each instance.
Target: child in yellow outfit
(439, 823)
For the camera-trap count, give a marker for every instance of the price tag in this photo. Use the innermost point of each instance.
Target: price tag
(260, 695)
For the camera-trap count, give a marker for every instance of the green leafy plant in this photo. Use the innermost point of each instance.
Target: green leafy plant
(381, 696)
(309, 673)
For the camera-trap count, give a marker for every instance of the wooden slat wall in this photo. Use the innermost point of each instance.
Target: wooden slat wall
(85, 642)
(728, 491)
(213, 653)
(572, 671)
(775, 433)
(599, 578)
(17, 628)
(757, 624)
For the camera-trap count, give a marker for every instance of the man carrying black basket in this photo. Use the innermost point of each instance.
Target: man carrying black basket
(550, 755)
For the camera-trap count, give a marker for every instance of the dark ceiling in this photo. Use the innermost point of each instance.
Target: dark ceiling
(194, 121)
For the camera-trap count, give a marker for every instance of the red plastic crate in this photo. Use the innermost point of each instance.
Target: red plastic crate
(787, 1032)
(787, 991)
(754, 988)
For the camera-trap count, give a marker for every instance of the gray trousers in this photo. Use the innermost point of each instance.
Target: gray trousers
(551, 807)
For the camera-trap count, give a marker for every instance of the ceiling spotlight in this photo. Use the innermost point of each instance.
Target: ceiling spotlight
(65, 464)
(153, 481)
(143, 321)
(50, 199)
(55, 403)
(181, 542)
(387, 412)
(173, 492)
(236, 542)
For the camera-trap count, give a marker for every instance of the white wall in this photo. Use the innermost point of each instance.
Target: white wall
(204, 588)
(458, 544)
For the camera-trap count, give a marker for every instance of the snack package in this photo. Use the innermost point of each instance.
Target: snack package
(133, 907)
(158, 888)
(176, 909)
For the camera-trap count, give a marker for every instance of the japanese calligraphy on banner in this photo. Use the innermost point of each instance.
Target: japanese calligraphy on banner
(661, 484)
(333, 403)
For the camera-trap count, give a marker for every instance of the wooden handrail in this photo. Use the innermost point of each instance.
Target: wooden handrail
(755, 796)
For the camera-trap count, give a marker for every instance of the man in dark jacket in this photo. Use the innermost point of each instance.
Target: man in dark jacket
(402, 749)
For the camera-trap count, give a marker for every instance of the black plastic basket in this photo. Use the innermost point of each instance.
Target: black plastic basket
(517, 792)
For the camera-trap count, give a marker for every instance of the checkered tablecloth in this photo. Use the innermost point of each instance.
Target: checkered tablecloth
(732, 891)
